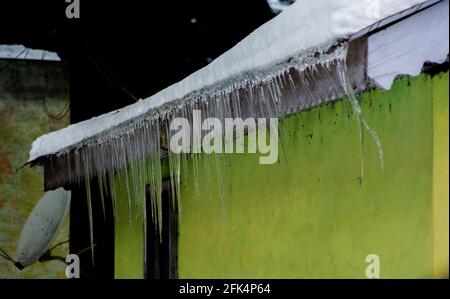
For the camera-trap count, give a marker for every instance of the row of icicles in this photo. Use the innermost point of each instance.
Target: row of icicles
(127, 159)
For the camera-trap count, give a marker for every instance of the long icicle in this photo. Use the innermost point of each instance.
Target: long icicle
(362, 122)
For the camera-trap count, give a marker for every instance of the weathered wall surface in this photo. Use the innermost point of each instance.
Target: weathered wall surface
(311, 215)
(440, 178)
(22, 119)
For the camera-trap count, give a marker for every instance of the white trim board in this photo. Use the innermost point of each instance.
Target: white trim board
(403, 48)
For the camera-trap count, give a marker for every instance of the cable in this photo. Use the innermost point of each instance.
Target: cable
(57, 116)
(6, 255)
(14, 59)
(110, 78)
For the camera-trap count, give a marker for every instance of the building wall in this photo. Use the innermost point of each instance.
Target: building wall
(311, 215)
(22, 119)
(440, 178)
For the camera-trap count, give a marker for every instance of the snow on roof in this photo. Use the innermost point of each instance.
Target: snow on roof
(303, 26)
(20, 52)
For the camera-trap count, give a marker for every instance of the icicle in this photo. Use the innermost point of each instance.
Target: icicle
(197, 185)
(102, 196)
(127, 159)
(87, 180)
(362, 123)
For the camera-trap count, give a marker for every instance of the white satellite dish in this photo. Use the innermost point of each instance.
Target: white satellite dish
(41, 228)
(278, 6)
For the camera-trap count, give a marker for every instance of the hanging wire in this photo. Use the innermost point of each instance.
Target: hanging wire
(26, 54)
(59, 115)
(16, 58)
(10, 62)
(6, 256)
(108, 75)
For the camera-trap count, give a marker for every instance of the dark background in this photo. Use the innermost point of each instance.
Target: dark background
(119, 51)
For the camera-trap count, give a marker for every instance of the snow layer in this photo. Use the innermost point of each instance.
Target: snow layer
(20, 52)
(305, 25)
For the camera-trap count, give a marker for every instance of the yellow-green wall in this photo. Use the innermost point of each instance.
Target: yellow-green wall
(440, 177)
(129, 242)
(310, 215)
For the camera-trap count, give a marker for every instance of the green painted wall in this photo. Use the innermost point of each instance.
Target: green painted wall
(129, 243)
(310, 215)
(22, 120)
(440, 178)
(130, 220)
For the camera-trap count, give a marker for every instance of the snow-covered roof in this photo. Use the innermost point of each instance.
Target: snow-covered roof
(305, 25)
(22, 53)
